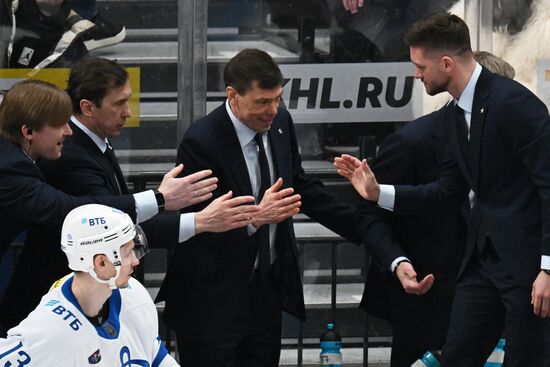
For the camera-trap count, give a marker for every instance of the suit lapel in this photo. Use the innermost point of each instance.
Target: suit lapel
(83, 140)
(232, 153)
(477, 124)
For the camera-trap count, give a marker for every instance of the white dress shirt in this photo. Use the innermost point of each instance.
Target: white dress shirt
(251, 156)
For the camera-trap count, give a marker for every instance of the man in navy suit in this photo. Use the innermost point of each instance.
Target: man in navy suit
(498, 136)
(225, 292)
(100, 92)
(433, 242)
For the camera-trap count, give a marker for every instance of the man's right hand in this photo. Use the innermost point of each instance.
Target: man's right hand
(407, 276)
(277, 205)
(352, 5)
(360, 175)
(181, 192)
(226, 213)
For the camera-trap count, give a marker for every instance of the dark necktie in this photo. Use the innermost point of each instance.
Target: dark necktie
(462, 132)
(462, 129)
(264, 260)
(119, 178)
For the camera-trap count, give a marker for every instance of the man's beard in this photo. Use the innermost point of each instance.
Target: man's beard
(434, 89)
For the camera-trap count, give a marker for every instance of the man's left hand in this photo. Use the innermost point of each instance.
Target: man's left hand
(407, 276)
(540, 295)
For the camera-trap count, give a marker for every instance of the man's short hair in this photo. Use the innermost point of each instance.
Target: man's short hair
(33, 103)
(494, 64)
(441, 32)
(92, 78)
(251, 65)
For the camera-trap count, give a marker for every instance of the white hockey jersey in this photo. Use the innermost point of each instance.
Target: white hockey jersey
(57, 333)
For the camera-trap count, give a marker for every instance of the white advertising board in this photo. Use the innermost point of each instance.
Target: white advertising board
(363, 92)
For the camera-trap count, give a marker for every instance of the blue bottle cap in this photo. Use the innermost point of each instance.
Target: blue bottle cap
(430, 360)
(330, 326)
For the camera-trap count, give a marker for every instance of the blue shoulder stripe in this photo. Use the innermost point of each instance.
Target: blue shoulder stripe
(161, 354)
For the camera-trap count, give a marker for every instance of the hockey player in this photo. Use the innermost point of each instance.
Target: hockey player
(99, 315)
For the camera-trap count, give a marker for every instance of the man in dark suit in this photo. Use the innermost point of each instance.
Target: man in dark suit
(498, 136)
(100, 93)
(433, 242)
(33, 125)
(225, 292)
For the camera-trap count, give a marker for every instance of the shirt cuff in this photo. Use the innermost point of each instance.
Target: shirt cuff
(187, 226)
(251, 230)
(386, 200)
(396, 261)
(146, 205)
(545, 262)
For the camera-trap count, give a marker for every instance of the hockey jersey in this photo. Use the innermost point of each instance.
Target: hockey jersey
(57, 333)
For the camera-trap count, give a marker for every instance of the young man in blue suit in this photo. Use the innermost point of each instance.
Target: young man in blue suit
(498, 136)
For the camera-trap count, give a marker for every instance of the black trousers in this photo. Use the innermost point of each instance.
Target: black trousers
(489, 303)
(404, 355)
(253, 337)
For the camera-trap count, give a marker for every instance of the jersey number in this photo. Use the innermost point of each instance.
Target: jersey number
(23, 361)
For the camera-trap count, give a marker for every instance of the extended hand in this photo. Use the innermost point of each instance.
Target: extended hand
(359, 174)
(226, 213)
(407, 276)
(185, 191)
(276, 205)
(540, 295)
(352, 5)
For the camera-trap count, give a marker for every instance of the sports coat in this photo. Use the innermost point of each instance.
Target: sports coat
(208, 276)
(26, 199)
(508, 168)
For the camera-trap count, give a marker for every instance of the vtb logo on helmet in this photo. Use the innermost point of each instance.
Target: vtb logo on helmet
(94, 229)
(94, 221)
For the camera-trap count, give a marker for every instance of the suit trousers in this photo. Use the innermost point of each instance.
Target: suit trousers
(403, 354)
(488, 304)
(253, 337)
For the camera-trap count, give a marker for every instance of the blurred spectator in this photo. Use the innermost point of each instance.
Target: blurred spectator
(49, 33)
(103, 32)
(372, 30)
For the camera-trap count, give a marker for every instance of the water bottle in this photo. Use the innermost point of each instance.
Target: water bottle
(496, 359)
(331, 342)
(429, 359)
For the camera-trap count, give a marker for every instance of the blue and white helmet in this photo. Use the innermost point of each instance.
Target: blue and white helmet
(94, 229)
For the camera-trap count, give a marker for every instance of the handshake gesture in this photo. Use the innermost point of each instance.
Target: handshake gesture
(360, 175)
(363, 180)
(226, 212)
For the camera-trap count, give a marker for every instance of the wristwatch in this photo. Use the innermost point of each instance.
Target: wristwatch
(160, 199)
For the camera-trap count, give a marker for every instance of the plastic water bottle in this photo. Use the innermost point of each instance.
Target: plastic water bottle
(429, 359)
(496, 359)
(331, 342)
